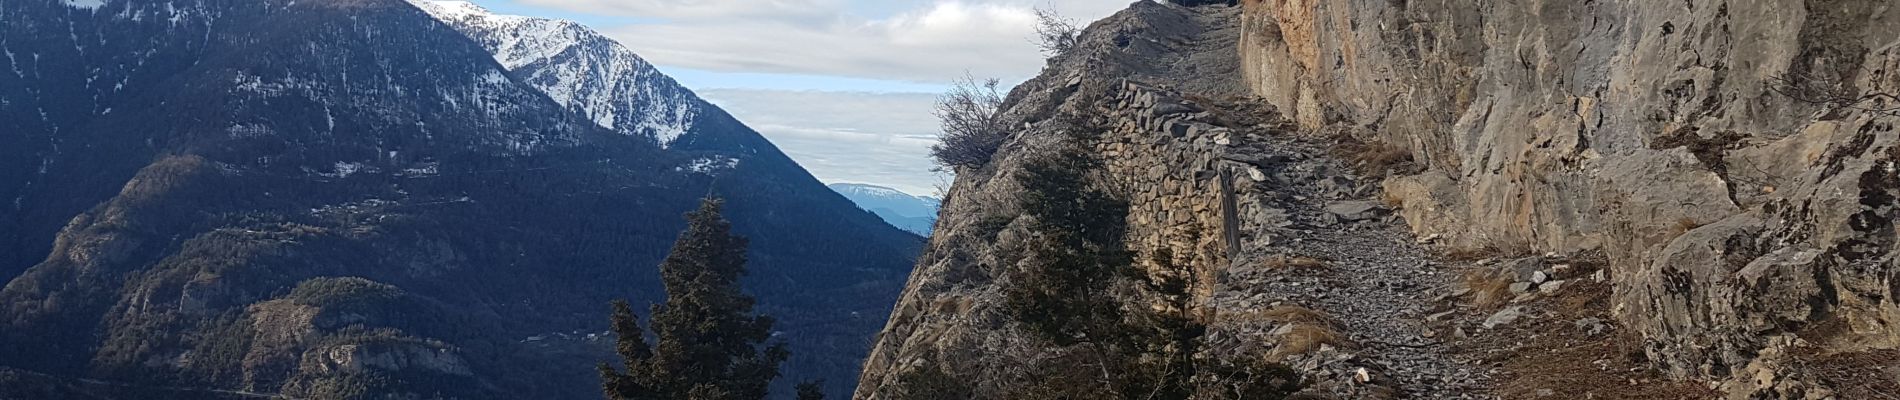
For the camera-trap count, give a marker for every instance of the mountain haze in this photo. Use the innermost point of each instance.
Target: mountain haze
(907, 211)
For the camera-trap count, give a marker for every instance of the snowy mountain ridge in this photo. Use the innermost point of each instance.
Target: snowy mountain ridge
(910, 212)
(578, 68)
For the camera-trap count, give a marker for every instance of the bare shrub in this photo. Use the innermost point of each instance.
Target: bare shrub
(1055, 34)
(972, 128)
(1374, 158)
(1830, 90)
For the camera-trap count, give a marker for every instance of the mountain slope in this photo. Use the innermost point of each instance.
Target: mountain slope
(579, 68)
(320, 198)
(908, 212)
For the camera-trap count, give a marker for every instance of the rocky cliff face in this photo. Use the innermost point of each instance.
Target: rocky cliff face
(1735, 160)
(1166, 154)
(1732, 164)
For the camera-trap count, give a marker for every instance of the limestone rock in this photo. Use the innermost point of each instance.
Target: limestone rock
(1505, 316)
(1659, 134)
(1355, 210)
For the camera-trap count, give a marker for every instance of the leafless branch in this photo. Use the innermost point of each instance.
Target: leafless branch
(1815, 89)
(1055, 34)
(972, 130)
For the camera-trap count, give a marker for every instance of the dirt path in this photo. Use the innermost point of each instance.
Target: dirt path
(1341, 260)
(1331, 284)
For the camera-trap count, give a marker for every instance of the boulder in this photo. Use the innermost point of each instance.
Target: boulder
(1355, 210)
(1504, 317)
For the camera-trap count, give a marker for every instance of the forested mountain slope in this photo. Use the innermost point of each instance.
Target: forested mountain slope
(332, 198)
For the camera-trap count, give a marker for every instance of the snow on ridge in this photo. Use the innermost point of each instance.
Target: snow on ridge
(447, 9)
(871, 190)
(86, 4)
(578, 68)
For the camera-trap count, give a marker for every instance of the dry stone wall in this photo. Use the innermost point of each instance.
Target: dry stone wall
(1164, 153)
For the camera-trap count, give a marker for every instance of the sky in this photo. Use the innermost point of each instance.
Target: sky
(843, 86)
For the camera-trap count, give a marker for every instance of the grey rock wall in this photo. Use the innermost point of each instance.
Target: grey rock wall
(1747, 222)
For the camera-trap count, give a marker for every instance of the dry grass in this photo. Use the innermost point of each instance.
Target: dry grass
(1307, 329)
(1392, 201)
(1295, 264)
(1489, 287)
(1686, 224)
(1305, 338)
(1379, 158)
(1285, 314)
(1550, 358)
(1855, 375)
(1375, 158)
(1471, 254)
(1298, 315)
(1826, 331)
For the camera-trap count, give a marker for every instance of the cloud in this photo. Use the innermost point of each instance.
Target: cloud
(862, 137)
(757, 48)
(789, 10)
(906, 40)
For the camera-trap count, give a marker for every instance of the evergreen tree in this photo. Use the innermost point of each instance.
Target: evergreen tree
(709, 344)
(1075, 255)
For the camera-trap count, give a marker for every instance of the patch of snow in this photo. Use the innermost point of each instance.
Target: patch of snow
(578, 68)
(425, 170)
(351, 207)
(879, 191)
(345, 169)
(228, 169)
(240, 131)
(15, 63)
(86, 4)
(706, 165)
(248, 83)
(450, 9)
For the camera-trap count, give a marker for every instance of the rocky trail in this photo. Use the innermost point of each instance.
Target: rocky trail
(1332, 283)
(1374, 289)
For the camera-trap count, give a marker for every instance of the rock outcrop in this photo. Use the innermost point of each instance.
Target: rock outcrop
(1736, 160)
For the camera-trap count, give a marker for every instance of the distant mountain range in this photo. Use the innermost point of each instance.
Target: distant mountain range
(316, 199)
(917, 214)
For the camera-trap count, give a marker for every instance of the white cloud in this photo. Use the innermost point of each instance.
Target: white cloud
(698, 9)
(877, 138)
(907, 40)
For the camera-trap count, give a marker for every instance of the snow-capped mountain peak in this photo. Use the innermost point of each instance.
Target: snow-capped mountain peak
(579, 68)
(910, 212)
(445, 9)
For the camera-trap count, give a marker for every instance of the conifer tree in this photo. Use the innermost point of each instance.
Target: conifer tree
(709, 345)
